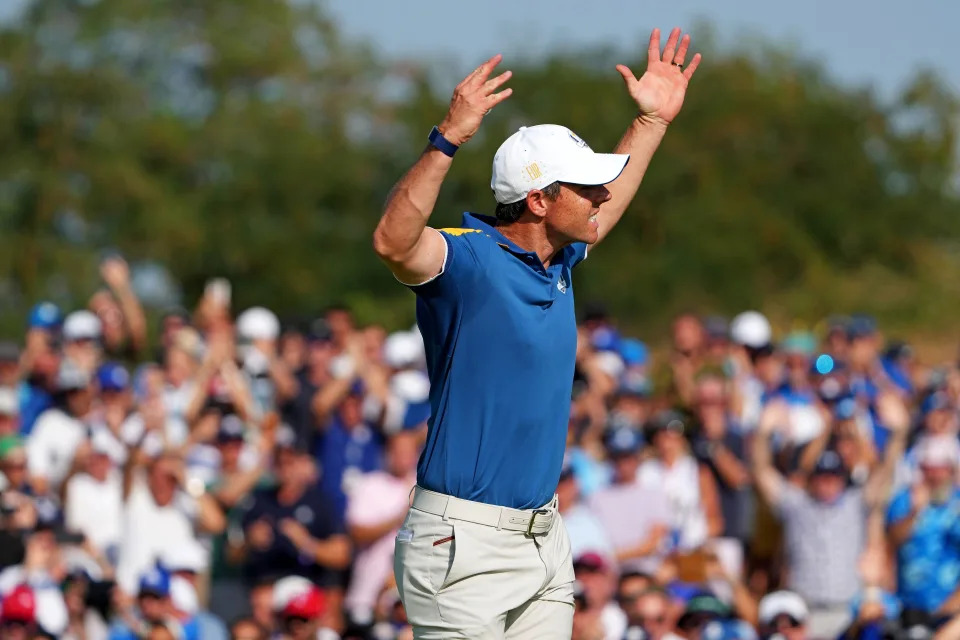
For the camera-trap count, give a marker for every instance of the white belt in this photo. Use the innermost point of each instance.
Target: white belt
(530, 522)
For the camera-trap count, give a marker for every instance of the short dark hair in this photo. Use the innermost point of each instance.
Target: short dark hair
(508, 213)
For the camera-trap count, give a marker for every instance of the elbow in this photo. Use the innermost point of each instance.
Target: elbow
(387, 248)
(342, 554)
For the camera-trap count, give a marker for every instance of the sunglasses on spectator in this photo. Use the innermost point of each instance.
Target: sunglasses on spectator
(689, 623)
(786, 621)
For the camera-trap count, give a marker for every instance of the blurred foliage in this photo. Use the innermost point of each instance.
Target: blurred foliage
(249, 140)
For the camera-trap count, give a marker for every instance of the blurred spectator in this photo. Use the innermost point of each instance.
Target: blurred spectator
(638, 535)
(124, 326)
(271, 381)
(598, 579)
(298, 607)
(161, 512)
(247, 629)
(294, 528)
(785, 613)
(93, 502)
(825, 525)
(154, 607)
(60, 430)
(689, 486)
(687, 359)
(926, 533)
(585, 530)
(376, 508)
(648, 615)
(721, 447)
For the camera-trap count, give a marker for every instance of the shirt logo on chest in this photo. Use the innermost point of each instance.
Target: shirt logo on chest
(562, 285)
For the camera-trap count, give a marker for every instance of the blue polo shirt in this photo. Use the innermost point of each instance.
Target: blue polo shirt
(501, 339)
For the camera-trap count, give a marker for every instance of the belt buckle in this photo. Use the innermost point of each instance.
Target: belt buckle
(533, 518)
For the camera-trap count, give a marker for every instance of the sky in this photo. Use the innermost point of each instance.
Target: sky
(881, 43)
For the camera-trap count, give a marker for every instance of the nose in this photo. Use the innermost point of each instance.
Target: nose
(601, 194)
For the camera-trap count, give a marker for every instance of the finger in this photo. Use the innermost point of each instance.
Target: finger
(682, 51)
(671, 45)
(491, 85)
(628, 77)
(688, 72)
(497, 98)
(653, 50)
(480, 75)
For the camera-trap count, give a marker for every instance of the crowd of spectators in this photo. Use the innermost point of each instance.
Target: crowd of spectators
(245, 477)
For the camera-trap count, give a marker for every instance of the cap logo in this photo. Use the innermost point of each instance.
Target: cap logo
(533, 170)
(577, 140)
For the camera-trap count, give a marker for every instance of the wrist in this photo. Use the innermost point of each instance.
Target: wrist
(450, 132)
(651, 122)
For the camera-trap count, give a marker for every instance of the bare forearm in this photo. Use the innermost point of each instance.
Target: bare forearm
(333, 553)
(133, 316)
(641, 140)
(409, 206)
(210, 518)
(769, 482)
(366, 534)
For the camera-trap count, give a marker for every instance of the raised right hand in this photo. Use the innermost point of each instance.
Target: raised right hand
(472, 100)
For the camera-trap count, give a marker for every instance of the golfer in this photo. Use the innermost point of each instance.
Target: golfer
(482, 552)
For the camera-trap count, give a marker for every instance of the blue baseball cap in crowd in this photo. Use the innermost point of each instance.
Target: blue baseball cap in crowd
(231, 429)
(623, 441)
(861, 326)
(155, 582)
(936, 401)
(45, 315)
(112, 376)
(634, 352)
(829, 462)
(605, 339)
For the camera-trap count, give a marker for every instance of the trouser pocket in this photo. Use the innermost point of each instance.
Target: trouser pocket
(424, 554)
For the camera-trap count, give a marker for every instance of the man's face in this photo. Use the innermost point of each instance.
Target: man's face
(14, 467)
(11, 630)
(625, 467)
(246, 630)
(650, 612)
(351, 410)
(687, 335)
(260, 605)
(598, 585)
(8, 425)
(939, 477)
(79, 401)
(153, 607)
(162, 480)
(711, 406)
(789, 628)
(572, 217)
(827, 487)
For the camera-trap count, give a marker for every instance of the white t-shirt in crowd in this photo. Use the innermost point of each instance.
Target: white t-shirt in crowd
(151, 531)
(174, 434)
(95, 508)
(51, 445)
(681, 484)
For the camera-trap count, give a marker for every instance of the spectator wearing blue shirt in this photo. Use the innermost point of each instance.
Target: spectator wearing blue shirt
(346, 448)
(154, 609)
(924, 525)
(294, 528)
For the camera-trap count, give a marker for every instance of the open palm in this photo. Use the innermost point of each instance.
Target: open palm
(660, 90)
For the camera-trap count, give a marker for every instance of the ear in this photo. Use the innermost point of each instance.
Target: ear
(537, 203)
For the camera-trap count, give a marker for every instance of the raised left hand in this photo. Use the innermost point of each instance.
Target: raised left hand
(660, 91)
(115, 272)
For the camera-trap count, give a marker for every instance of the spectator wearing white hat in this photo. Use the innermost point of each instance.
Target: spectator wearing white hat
(784, 613)
(61, 430)
(923, 527)
(93, 502)
(82, 335)
(752, 356)
(271, 381)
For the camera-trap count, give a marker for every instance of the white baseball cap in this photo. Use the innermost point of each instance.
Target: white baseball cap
(751, 329)
(258, 323)
(781, 603)
(938, 451)
(535, 157)
(82, 325)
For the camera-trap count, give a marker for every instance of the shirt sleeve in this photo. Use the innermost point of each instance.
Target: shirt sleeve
(899, 507)
(461, 265)
(329, 521)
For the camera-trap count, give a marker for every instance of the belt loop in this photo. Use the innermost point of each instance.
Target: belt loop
(446, 507)
(410, 495)
(500, 519)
